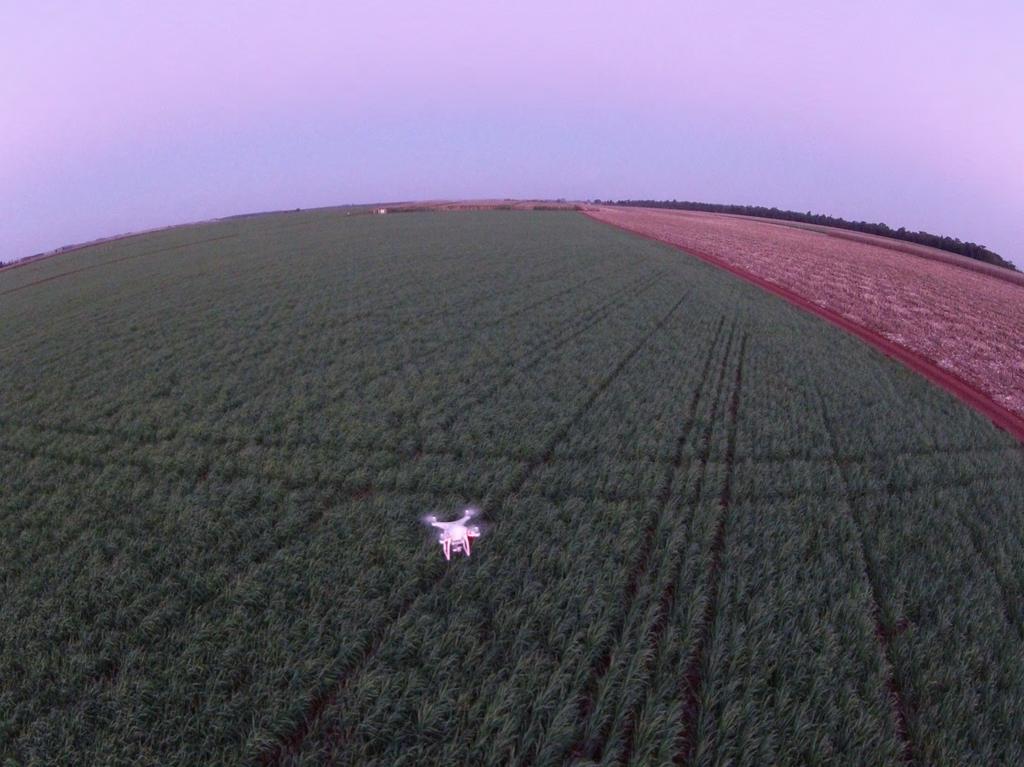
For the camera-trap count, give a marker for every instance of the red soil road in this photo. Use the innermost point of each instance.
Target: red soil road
(961, 329)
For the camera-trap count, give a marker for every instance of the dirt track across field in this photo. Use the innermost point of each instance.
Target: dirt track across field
(952, 310)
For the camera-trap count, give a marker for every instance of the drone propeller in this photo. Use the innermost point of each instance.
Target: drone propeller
(456, 529)
(431, 520)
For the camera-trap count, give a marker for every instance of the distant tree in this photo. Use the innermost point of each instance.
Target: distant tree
(943, 242)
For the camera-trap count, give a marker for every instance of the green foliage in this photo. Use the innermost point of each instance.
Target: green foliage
(722, 530)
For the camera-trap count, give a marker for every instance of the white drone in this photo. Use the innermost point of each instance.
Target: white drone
(455, 535)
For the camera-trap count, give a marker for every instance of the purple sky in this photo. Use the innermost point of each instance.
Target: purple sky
(126, 115)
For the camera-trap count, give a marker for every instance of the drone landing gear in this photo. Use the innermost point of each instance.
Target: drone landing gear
(456, 545)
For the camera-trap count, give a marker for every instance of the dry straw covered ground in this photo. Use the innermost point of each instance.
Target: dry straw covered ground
(967, 322)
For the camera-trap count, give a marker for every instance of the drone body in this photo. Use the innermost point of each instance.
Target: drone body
(455, 535)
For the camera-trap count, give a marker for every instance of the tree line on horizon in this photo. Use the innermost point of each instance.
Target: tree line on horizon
(942, 242)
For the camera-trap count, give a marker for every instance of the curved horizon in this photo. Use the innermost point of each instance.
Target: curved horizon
(114, 236)
(129, 118)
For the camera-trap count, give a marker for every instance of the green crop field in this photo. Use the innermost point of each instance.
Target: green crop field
(721, 531)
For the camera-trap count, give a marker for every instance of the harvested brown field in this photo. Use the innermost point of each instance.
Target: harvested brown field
(913, 248)
(489, 205)
(967, 323)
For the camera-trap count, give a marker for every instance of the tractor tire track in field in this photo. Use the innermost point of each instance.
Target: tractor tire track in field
(694, 675)
(108, 676)
(291, 743)
(594, 750)
(864, 456)
(351, 493)
(348, 492)
(1002, 418)
(150, 467)
(890, 491)
(475, 331)
(665, 609)
(444, 312)
(232, 444)
(112, 261)
(538, 353)
(883, 633)
(533, 358)
(543, 347)
(666, 600)
(253, 269)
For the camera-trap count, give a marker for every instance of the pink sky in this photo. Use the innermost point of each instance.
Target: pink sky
(126, 115)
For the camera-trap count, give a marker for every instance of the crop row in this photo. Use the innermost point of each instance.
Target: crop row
(720, 531)
(966, 322)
